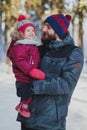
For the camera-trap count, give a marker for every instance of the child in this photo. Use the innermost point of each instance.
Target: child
(24, 55)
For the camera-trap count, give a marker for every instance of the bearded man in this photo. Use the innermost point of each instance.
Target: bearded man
(62, 63)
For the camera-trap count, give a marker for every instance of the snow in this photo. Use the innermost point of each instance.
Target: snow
(8, 100)
(77, 115)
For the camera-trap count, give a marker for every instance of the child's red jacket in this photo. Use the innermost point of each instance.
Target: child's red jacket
(24, 56)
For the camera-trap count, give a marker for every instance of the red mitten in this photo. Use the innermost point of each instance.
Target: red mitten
(37, 74)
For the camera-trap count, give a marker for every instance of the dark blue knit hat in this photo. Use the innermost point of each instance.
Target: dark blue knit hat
(59, 23)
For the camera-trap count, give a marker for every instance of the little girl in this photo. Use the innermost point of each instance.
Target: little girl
(24, 55)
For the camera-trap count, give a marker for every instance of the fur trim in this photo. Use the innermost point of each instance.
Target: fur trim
(15, 35)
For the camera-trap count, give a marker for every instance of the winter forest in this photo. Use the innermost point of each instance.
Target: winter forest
(37, 11)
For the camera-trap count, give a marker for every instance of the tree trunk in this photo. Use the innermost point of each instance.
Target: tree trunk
(80, 35)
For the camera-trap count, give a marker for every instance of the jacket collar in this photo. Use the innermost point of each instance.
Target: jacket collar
(27, 42)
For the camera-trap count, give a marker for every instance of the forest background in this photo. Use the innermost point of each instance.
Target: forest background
(37, 11)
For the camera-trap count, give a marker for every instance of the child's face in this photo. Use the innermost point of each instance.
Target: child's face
(29, 32)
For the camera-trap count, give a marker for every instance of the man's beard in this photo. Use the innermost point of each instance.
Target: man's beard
(47, 38)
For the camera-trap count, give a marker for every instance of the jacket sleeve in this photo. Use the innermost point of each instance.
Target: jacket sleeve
(68, 79)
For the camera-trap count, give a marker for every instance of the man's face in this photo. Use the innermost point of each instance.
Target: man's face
(48, 34)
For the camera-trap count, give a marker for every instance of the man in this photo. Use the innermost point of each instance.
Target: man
(62, 63)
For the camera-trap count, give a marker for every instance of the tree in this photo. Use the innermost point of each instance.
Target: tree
(8, 8)
(79, 10)
(82, 7)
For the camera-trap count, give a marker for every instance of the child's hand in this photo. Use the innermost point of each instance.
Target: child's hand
(37, 74)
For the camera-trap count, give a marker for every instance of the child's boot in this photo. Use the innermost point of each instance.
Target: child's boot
(24, 110)
(17, 108)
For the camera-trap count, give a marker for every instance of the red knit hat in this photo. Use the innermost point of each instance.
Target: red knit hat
(23, 23)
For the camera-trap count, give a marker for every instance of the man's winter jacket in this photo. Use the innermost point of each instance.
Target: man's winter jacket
(52, 96)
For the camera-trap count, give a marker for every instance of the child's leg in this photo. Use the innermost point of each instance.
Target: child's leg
(23, 91)
(26, 101)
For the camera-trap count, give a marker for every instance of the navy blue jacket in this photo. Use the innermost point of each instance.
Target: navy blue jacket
(52, 96)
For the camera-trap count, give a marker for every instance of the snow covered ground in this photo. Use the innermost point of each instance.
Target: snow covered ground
(8, 100)
(77, 116)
